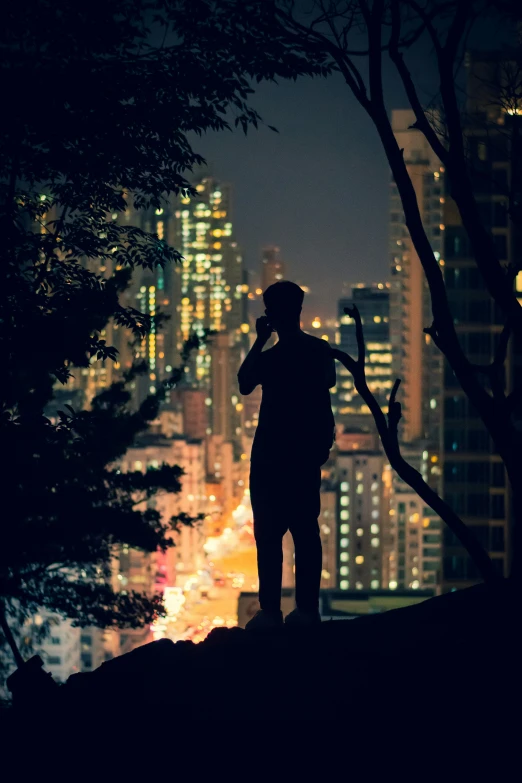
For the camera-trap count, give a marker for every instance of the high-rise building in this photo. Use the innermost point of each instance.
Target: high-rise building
(151, 291)
(214, 289)
(194, 407)
(206, 290)
(360, 519)
(272, 267)
(373, 303)
(412, 536)
(226, 407)
(415, 359)
(475, 483)
(212, 278)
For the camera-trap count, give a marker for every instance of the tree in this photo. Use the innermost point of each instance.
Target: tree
(99, 103)
(359, 39)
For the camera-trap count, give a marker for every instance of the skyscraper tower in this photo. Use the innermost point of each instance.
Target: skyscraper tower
(153, 291)
(150, 291)
(211, 272)
(413, 546)
(272, 267)
(416, 360)
(475, 483)
(212, 281)
(373, 303)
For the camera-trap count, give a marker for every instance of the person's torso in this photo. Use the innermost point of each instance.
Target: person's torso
(296, 412)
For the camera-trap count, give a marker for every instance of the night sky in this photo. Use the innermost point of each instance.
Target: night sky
(319, 188)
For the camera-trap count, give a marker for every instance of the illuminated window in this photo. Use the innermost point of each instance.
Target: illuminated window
(344, 570)
(344, 543)
(359, 475)
(345, 529)
(344, 500)
(374, 584)
(359, 559)
(374, 528)
(359, 489)
(344, 584)
(375, 542)
(345, 514)
(358, 585)
(344, 557)
(393, 585)
(360, 531)
(344, 486)
(138, 465)
(375, 486)
(375, 514)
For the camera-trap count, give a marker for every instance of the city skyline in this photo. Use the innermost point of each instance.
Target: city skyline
(171, 452)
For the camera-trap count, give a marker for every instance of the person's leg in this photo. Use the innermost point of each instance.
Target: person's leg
(304, 527)
(269, 530)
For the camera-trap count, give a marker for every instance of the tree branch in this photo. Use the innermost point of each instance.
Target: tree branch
(422, 123)
(349, 71)
(388, 430)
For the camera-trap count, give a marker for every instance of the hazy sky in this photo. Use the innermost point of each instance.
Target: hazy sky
(319, 188)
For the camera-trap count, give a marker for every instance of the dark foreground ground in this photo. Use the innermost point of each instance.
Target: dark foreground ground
(436, 673)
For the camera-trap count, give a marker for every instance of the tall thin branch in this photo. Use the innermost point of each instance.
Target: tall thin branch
(388, 429)
(422, 123)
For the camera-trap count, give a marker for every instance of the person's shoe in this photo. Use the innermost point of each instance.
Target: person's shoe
(301, 619)
(263, 619)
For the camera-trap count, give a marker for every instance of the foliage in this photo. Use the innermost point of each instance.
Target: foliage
(99, 103)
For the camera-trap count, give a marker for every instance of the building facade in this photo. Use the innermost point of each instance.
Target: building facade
(475, 483)
(412, 542)
(415, 359)
(360, 511)
(373, 303)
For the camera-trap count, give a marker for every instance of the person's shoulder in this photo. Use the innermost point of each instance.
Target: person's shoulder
(317, 343)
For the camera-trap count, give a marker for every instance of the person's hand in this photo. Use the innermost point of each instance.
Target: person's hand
(263, 328)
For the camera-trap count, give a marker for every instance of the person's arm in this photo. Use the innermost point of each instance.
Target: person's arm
(249, 374)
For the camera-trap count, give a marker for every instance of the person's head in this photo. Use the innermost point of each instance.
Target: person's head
(283, 303)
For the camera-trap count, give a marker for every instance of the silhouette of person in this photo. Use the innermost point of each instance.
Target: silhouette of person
(293, 439)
